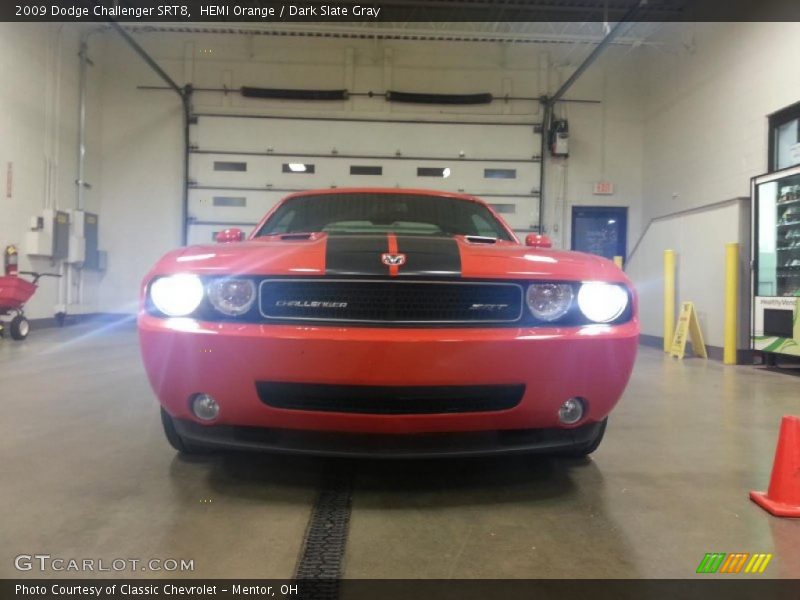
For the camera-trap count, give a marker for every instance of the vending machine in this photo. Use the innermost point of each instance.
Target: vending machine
(776, 262)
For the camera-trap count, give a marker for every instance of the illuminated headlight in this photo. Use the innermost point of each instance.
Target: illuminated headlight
(549, 301)
(177, 295)
(232, 297)
(602, 302)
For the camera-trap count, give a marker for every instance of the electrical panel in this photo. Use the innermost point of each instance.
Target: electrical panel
(83, 240)
(91, 236)
(559, 138)
(49, 235)
(77, 241)
(60, 234)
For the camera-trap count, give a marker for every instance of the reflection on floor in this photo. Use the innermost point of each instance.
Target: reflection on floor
(87, 474)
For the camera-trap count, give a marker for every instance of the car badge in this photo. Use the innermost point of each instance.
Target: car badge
(393, 260)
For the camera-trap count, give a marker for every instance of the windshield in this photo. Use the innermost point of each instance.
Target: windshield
(366, 213)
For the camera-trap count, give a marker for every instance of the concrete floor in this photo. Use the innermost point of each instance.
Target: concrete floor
(86, 473)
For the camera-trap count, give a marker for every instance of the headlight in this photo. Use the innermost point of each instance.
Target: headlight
(232, 297)
(177, 295)
(549, 301)
(602, 302)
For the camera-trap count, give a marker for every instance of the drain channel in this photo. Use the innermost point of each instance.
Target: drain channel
(320, 562)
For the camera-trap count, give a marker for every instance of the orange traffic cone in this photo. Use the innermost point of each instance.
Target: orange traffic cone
(782, 499)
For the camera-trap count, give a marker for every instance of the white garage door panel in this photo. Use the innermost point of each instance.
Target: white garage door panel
(251, 190)
(352, 137)
(261, 171)
(204, 170)
(223, 205)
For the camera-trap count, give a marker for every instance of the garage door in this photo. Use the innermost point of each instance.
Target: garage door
(239, 167)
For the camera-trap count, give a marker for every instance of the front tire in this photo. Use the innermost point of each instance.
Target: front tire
(586, 448)
(174, 438)
(19, 328)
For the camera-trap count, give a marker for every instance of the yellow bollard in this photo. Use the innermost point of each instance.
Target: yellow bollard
(731, 302)
(618, 261)
(669, 298)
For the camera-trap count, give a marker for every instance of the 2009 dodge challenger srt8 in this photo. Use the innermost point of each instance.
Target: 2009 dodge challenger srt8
(387, 323)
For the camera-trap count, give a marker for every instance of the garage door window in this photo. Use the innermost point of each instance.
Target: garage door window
(500, 173)
(224, 165)
(298, 168)
(235, 201)
(365, 170)
(433, 172)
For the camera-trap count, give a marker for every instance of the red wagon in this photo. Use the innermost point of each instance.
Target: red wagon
(14, 293)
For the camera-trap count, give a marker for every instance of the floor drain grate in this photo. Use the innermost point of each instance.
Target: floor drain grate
(320, 564)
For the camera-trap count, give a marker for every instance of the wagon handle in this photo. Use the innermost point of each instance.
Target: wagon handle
(36, 276)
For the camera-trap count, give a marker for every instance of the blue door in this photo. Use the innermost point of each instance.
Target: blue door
(601, 230)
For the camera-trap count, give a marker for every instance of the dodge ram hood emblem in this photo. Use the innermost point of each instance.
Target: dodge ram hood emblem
(393, 260)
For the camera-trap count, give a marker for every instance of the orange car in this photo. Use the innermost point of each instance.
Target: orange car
(388, 323)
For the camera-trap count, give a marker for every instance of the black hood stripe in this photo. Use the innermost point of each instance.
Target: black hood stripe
(356, 255)
(434, 256)
(361, 255)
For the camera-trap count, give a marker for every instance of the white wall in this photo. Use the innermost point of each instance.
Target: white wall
(141, 130)
(142, 168)
(605, 144)
(706, 108)
(698, 239)
(705, 135)
(38, 129)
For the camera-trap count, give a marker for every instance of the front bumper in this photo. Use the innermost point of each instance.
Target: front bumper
(183, 357)
(420, 445)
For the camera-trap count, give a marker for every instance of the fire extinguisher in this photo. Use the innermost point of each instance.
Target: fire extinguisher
(11, 260)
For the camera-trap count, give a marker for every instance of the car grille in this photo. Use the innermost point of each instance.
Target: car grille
(390, 301)
(389, 400)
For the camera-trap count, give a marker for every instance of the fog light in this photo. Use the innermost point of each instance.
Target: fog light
(205, 407)
(572, 411)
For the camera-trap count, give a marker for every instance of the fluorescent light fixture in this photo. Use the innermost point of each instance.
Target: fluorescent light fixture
(297, 167)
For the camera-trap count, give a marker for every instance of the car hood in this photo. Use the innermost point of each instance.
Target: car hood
(363, 256)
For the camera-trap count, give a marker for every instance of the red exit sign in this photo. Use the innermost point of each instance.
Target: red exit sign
(604, 187)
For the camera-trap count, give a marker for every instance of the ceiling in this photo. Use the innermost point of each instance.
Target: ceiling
(577, 25)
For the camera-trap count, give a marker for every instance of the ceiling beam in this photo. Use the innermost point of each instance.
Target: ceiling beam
(147, 58)
(598, 50)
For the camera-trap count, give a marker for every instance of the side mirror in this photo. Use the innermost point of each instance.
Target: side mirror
(538, 240)
(226, 236)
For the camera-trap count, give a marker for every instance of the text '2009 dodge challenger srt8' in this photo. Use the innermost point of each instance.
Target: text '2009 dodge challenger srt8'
(390, 323)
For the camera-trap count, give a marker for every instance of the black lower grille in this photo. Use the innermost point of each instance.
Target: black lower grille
(389, 400)
(391, 301)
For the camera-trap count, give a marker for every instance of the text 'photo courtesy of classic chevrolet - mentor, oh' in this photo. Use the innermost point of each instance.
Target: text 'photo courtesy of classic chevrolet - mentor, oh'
(386, 323)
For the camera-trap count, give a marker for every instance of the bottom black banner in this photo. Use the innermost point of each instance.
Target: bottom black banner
(399, 589)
